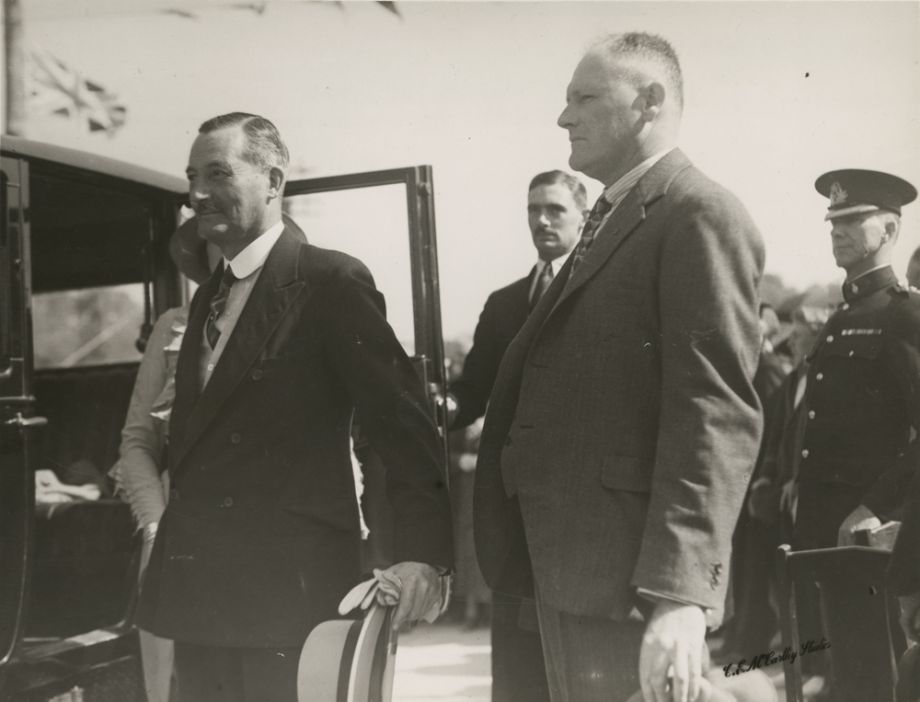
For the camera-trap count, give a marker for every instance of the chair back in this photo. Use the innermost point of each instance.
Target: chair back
(858, 616)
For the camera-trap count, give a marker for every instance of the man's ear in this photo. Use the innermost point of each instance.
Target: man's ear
(275, 182)
(653, 95)
(892, 227)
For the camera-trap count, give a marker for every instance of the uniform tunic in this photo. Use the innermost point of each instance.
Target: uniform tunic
(863, 409)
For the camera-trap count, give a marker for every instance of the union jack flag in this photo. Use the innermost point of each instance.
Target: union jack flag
(58, 89)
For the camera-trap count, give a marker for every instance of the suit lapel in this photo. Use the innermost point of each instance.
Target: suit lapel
(625, 219)
(276, 288)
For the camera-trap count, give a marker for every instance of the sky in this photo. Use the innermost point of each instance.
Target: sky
(776, 94)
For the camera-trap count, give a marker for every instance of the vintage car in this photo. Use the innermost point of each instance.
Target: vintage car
(84, 271)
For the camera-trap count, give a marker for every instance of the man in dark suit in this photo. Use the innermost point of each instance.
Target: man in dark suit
(556, 211)
(261, 538)
(623, 425)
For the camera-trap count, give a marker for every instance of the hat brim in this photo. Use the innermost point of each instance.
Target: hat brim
(189, 251)
(347, 660)
(846, 211)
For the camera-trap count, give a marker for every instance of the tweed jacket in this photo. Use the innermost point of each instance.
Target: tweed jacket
(623, 426)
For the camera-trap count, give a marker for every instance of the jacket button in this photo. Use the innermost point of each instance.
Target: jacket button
(820, 376)
(811, 414)
(830, 338)
(236, 437)
(804, 453)
(257, 374)
(228, 502)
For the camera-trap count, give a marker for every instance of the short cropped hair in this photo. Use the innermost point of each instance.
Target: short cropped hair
(265, 148)
(648, 49)
(556, 177)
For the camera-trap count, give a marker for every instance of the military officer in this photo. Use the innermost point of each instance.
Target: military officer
(859, 448)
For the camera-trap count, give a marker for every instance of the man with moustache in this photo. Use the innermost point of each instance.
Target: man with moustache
(261, 536)
(556, 210)
(624, 425)
(859, 449)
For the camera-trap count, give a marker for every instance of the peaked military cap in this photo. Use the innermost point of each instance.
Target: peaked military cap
(853, 190)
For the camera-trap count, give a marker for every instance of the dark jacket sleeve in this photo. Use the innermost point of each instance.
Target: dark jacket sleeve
(392, 405)
(473, 388)
(904, 568)
(902, 355)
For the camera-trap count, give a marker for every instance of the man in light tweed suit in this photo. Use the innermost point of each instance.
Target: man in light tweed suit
(623, 425)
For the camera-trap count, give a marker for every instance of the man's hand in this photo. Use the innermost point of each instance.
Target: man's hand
(446, 402)
(762, 502)
(859, 519)
(672, 646)
(910, 615)
(419, 591)
(789, 498)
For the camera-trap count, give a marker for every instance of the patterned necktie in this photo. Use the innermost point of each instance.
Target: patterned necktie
(589, 233)
(544, 279)
(218, 304)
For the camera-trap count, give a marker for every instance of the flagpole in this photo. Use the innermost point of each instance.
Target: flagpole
(14, 79)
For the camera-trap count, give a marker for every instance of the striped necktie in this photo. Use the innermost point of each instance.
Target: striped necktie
(544, 278)
(218, 304)
(589, 233)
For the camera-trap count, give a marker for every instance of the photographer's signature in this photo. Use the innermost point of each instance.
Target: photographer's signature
(772, 657)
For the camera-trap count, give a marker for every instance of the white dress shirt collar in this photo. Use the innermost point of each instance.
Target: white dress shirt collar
(252, 258)
(557, 263)
(618, 190)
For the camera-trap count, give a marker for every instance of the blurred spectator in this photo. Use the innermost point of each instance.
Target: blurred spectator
(773, 365)
(904, 581)
(766, 517)
(913, 269)
(469, 586)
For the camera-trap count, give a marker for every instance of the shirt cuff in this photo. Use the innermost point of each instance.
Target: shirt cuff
(653, 596)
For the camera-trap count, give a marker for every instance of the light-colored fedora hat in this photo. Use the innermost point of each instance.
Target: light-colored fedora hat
(349, 660)
(189, 251)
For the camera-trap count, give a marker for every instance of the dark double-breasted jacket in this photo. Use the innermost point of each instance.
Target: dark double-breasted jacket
(863, 408)
(261, 537)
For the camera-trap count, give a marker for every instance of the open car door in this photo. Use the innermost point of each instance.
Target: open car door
(17, 421)
(386, 220)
